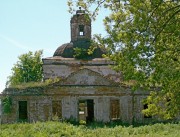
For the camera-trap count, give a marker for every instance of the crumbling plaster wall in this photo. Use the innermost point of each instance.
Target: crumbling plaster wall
(58, 67)
(126, 108)
(101, 109)
(40, 106)
(138, 107)
(70, 107)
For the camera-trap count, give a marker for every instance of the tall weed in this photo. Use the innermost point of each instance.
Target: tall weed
(63, 129)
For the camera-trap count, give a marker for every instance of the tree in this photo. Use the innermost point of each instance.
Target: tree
(143, 39)
(27, 69)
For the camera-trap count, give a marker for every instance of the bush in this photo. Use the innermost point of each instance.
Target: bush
(59, 129)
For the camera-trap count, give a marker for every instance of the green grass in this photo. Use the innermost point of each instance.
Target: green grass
(58, 129)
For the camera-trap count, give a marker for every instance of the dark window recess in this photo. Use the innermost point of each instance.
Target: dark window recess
(57, 108)
(23, 111)
(81, 30)
(114, 109)
(146, 107)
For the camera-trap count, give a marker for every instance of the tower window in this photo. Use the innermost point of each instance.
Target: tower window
(81, 30)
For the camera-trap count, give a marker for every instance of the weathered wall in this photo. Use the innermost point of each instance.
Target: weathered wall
(77, 20)
(80, 80)
(138, 107)
(101, 109)
(126, 104)
(34, 110)
(40, 106)
(70, 107)
(63, 67)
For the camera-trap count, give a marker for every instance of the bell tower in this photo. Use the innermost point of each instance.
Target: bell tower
(80, 43)
(80, 26)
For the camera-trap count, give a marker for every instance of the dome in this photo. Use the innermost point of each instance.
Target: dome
(67, 50)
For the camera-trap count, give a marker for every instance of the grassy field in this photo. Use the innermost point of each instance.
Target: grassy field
(58, 129)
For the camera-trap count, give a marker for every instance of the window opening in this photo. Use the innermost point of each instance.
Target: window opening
(115, 110)
(23, 111)
(82, 110)
(81, 30)
(57, 108)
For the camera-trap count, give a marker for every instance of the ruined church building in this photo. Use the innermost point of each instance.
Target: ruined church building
(89, 89)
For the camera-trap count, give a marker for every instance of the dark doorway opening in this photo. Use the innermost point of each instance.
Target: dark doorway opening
(90, 111)
(23, 114)
(86, 110)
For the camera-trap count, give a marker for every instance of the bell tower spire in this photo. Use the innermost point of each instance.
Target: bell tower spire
(80, 26)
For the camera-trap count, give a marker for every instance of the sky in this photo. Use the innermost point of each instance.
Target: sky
(31, 25)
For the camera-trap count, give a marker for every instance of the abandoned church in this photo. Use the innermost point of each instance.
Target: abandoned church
(88, 89)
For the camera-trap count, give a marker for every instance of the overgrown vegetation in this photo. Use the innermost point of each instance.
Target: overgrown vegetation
(80, 53)
(27, 69)
(58, 129)
(7, 104)
(35, 84)
(84, 48)
(143, 41)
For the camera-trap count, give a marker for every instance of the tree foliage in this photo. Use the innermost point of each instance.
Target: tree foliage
(27, 69)
(80, 53)
(143, 39)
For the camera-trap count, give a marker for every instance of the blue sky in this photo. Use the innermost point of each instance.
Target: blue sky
(31, 25)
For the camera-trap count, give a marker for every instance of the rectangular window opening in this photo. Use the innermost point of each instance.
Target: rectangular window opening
(82, 110)
(114, 109)
(81, 33)
(57, 108)
(23, 112)
(81, 30)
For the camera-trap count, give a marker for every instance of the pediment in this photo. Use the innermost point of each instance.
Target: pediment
(86, 77)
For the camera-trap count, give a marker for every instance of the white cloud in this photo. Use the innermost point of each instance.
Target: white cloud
(15, 43)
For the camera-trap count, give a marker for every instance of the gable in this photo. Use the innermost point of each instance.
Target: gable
(87, 77)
